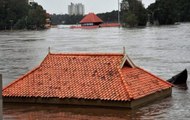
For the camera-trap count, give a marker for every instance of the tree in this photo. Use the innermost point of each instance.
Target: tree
(170, 11)
(130, 19)
(11, 11)
(75, 19)
(184, 10)
(136, 12)
(65, 19)
(17, 14)
(36, 18)
(109, 16)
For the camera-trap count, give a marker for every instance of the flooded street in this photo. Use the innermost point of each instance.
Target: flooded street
(164, 51)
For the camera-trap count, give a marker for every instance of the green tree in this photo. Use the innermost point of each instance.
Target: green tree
(75, 19)
(170, 11)
(18, 14)
(3, 6)
(130, 19)
(65, 19)
(36, 18)
(11, 11)
(109, 17)
(184, 10)
(137, 13)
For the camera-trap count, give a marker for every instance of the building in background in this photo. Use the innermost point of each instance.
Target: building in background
(76, 9)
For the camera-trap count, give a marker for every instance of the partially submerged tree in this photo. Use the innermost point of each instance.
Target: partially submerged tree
(135, 12)
(169, 11)
(16, 14)
(164, 11)
(36, 17)
(130, 19)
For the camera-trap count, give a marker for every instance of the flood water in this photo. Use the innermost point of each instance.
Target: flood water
(164, 51)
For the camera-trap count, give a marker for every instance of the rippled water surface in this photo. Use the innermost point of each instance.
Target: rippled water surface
(164, 51)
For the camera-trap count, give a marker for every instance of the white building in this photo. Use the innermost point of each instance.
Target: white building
(76, 9)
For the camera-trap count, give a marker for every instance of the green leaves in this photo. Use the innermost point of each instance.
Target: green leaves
(170, 11)
(17, 14)
(36, 17)
(135, 15)
(130, 19)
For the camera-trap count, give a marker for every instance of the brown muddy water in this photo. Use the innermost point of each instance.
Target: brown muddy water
(164, 51)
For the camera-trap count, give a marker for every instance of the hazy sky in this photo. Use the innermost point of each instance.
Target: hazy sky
(96, 6)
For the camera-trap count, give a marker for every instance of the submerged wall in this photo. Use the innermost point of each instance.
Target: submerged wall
(101, 103)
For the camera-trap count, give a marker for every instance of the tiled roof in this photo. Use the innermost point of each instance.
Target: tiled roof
(91, 18)
(86, 76)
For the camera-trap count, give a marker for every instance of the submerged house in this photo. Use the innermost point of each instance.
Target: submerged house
(91, 20)
(94, 79)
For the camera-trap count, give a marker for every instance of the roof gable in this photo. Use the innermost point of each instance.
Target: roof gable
(127, 62)
(91, 18)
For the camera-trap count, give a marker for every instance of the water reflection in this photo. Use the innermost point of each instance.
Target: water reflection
(42, 112)
(50, 112)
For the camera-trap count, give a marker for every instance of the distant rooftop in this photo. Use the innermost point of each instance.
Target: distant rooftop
(91, 18)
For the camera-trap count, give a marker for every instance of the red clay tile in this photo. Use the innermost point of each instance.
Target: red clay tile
(91, 18)
(86, 76)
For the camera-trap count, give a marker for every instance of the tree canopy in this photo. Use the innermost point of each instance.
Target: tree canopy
(135, 14)
(17, 14)
(75, 19)
(65, 19)
(109, 17)
(169, 11)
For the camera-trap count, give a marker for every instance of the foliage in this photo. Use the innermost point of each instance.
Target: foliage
(75, 19)
(16, 14)
(136, 13)
(131, 19)
(109, 17)
(36, 17)
(169, 11)
(65, 19)
(164, 11)
(184, 10)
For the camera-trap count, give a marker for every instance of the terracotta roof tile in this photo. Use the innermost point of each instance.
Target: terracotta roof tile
(91, 18)
(86, 76)
(141, 83)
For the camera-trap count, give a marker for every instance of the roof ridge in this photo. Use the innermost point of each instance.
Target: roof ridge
(156, 76)
(88, 54)
(122, 80)
(91, 18)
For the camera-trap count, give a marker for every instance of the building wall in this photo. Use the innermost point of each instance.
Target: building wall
(76, 9)
(103, 103)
